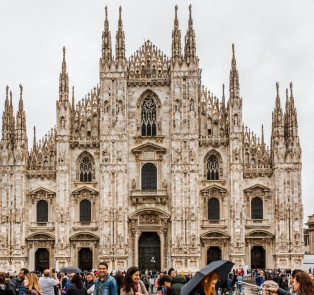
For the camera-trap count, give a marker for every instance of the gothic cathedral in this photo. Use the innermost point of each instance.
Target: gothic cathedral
(150, 169)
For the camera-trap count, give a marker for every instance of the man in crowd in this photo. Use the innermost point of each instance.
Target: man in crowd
(105, 284)
(20, 289)
(47, 283)
(172, 272)
(64, 289)
(89, 283)
(260, 279)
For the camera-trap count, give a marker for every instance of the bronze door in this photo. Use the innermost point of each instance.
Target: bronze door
(85, 256)
(149, 252)
(213, 254)
(41, 259)
(257, 257)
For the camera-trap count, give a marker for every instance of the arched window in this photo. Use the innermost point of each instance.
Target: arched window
(42, 211)
(213, 209)
(257, 208)
(86, 169)
(85, 211)
(149, 177)
(148, 117)
(212, 168)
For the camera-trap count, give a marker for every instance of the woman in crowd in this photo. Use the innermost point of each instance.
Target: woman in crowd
(302, 285)
(207, 285)
(132, 283)
(5, 287)
(31, 284)
(76, 287)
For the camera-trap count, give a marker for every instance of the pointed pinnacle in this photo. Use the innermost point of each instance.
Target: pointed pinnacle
(21, 90)
(106, 11)
(7, 92)
(291, 89)
(190, 17)
(120, 11)
(233, 62)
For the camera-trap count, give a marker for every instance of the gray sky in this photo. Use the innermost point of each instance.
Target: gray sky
(274, 41)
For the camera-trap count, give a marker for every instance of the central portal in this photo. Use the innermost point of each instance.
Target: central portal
(85, 259)
(149, 252)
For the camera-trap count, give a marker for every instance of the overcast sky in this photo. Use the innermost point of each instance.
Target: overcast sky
(274, 41)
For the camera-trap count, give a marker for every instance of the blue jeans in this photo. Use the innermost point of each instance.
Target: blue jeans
(152, 288)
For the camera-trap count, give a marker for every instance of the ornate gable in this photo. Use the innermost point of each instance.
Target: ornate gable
(257, 190)
(84, 237)
(41, 193)
(149, 151)
(85, 192)
(214, 191)
(40, 237)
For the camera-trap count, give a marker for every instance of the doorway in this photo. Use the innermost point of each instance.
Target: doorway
(41, 259)
(85, 257)
(257, 257)
(149, 252)
(213, 254)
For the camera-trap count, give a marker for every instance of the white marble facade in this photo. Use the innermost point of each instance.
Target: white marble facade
(150, 150)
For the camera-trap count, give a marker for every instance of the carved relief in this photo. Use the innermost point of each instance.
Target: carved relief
(149, 218)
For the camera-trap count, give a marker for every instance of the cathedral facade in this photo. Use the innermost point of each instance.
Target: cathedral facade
(150, 169)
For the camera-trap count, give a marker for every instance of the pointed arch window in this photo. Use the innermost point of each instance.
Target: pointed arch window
(85, 211)
(212, 168)
(257, 208)
(213, 209)
(148, 117)
(42, 211)
(149, 177)
(86, 169)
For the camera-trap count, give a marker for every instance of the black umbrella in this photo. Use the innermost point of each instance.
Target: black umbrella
(70, 269)
(223, 267)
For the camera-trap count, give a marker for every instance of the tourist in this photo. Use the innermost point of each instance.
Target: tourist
(239, 283)
(47, 283)
(283, 283)
(207, 286)
(105, 284)
(5, 287)
(189, 277)
(230, 284)
(172, 272)
(120, 280)
(20, 289)
(152, 284)
(132, 283)
(89, 283)
(68, 283)
(31, 284)
(76, 287)
(259, 279)
(146, 281)
(164, 282)
(302, 285)
(176, 284)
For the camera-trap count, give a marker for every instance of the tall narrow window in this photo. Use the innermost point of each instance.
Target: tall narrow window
(213, 209)
(212, 168)
(148, 117)
(257, 208)
(149, 177)
(42, 211)
(85, 211)
(86, 170)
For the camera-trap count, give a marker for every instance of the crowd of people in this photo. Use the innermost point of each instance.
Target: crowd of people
(133, 282)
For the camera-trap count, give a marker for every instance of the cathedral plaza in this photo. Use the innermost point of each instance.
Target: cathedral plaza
(151, 169)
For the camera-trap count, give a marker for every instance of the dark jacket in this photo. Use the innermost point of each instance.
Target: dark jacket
(6, 289)
(283, 285)
(177, 283)
(73, 290)
(283, 292)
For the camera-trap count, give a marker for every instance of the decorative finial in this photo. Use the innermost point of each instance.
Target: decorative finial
(291, 89)
(7, 91)
(63, 52)
(277, 88)
(190, 10)
(21, 90)
(106, 11)
(120, 11)
(233, 48)
(287, 93)
(223, 89)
